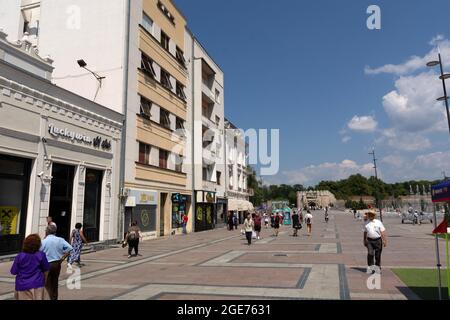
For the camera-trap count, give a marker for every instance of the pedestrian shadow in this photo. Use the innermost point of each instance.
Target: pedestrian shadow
(360, 269)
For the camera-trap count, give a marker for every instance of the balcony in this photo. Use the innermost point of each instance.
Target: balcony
(209, 155)
(208, 122)
(207, 93)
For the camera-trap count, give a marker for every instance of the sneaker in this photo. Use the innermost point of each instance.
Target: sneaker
(369, 270)
(129, 256)
(259, 238)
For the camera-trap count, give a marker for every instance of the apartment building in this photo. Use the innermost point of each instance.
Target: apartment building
(237, 175)
(128, 56)
(206, 106)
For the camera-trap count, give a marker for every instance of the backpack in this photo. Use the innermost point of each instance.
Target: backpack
(308, 220)
(132, 235)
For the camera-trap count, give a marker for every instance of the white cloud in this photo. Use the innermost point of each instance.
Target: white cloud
(392, 168)
(437, 39)
(412, 106)
(414, 63)
(425, 166)
(313, 174)
(346, 139)
(363, 124)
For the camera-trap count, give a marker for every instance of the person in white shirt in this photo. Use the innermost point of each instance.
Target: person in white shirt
(374, 240)
(50, 221)
(308, 221)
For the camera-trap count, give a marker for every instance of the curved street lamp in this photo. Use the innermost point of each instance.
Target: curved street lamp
(443, 77)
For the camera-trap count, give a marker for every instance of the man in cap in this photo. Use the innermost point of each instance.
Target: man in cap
(374, 240)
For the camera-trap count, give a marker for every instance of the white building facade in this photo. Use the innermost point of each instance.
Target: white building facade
(206, 109)
(59, 154)
(237, 174)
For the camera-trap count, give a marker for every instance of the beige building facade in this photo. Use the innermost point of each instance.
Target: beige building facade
(315, 199)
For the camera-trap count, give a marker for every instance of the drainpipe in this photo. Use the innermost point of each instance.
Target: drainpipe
(194, 196)
(120, 220)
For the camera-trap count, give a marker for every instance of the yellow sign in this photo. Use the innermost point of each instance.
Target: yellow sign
(8, 220)
(199, 214)
(146, 198)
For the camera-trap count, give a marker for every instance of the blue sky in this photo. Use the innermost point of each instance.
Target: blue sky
(334, 88)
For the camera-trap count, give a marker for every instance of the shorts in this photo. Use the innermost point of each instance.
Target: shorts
(276, 226)
(258, 228)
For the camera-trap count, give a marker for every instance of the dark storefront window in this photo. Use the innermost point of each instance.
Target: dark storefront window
(14, 184)
(61, 198)
(92, 202)
(179, 209)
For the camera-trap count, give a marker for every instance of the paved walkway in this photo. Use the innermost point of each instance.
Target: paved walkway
(219, 265)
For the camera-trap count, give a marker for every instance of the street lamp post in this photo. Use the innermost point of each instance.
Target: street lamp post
(443, 77)
(376, 179)
(445, 98)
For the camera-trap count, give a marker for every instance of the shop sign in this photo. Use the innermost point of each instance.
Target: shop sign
(178, 198)
(97, 142)
(131, 202)
(143, 197)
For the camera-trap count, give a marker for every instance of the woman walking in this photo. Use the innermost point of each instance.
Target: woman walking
(308, 220)
(133, 236)
(249, 225)
(30, 268)
(296, 223)
(230, 222)
(276, 224)
(258, 223)
(77, 239)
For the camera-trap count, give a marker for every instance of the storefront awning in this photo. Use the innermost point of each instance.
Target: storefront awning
(240, 205)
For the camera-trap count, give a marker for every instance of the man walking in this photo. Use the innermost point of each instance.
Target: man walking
(57, 250)
(374, 241)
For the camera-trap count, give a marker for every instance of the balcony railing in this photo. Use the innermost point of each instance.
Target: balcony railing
(208, 122)
(208, 92)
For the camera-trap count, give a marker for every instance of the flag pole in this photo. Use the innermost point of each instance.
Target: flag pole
(448, 266)
(437, 254)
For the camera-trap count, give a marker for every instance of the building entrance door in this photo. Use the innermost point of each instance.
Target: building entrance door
(92, 202)
(162, 207)
(61, 198)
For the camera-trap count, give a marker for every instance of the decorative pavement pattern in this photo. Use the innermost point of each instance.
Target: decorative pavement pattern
(329, 264)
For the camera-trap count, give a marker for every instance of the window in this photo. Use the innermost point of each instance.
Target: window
(180, 91)
(180, 124)
(166, 12)
(164, 118)
(180, 57)
(147, 23)
(218, 96)
(165, 80)
(163, 156)
(165, 40)
(179, 163)
(205, 173)
(235, 142)
(146, 108)
(147, 66)
(217, 120)
(144, 153)
(219, 177)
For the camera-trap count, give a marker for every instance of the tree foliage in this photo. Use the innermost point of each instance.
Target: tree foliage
(354, 186)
